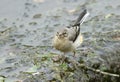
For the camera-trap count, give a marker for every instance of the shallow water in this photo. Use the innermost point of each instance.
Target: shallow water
(27, 28)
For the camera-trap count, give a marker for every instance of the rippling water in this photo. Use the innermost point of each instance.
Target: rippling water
(27, 28)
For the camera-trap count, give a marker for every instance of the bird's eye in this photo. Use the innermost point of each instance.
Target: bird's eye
(65, 34)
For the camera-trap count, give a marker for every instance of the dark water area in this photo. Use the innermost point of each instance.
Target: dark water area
(28, 26)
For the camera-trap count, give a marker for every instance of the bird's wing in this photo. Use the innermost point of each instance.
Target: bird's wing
(74, 30)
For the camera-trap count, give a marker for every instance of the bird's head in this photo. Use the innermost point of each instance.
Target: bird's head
(62, 34)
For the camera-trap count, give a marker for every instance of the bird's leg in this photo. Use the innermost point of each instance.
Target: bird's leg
(63, 58)
(74, 53)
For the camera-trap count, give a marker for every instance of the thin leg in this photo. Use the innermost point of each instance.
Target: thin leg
(63, 59)
(74, 53)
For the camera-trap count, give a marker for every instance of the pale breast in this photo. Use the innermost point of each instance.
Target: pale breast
(63, 45)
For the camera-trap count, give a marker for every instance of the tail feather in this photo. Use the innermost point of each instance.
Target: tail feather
(77, 24)
(81, 18)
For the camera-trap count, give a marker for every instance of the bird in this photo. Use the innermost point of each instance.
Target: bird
(70, 37)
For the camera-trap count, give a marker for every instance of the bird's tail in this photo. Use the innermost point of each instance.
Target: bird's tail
(78, 38)
(81, 18)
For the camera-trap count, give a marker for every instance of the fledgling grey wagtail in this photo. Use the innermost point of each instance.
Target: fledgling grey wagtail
(69, 38)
